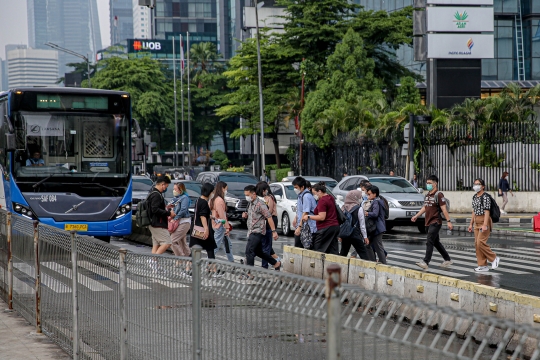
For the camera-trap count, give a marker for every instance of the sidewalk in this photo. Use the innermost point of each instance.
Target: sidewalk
(19, 341)
(518, 224)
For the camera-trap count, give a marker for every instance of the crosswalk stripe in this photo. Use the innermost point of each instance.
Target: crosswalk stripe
(472, 260)
(83, 280)
(19, 287)
(435, 271)
(521, 253)
(55, 285)
(452, 267)
(111, 275)
(514, 262)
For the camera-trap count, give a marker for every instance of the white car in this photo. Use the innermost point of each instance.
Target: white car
(286, 204)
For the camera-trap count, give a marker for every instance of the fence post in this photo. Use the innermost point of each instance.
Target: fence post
(75, 299)
(333, 326)
(122, 283)
(196, 300)
(10, 262)
(38, 277)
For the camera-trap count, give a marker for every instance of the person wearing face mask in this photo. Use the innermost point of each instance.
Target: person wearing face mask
(504, 188)
(305, 205)
(434, 208)
(359, 238)
(219, 213)
(377, 213)
(181, 203)
(481, 223)
(263, 191)
(257, 216)
(202, 219)
(325, 239)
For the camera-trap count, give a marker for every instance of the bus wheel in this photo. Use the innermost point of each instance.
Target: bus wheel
(107, 239)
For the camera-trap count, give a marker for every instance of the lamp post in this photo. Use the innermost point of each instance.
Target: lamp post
(85, 58)
(261, 103)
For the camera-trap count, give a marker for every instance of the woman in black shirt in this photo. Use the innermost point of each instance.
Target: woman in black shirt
(202, 218)
(504, 188)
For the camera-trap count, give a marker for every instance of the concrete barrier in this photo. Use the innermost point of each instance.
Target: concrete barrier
(390, 280)
(292, 259)
(458, 295)
(420, 286)
(362, 273)
(527, 312)
(494, 302)
(312, 264)
(342, 261)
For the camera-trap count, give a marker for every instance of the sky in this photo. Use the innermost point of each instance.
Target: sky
(14, 23)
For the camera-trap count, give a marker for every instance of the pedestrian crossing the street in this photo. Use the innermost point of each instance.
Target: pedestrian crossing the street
(463, 265)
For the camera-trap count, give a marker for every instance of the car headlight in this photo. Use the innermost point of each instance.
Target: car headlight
(391, 204)
(122, 211)
(24, 211)
(293, 208)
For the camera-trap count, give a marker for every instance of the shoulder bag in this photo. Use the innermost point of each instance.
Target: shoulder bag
(197, 231)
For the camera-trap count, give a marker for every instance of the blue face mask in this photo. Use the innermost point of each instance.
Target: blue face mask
(364, 197)
(429, 187)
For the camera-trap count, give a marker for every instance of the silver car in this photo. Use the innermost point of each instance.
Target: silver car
(403, 199)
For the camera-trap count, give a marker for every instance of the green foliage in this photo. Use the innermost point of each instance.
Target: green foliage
(221, 159)
(239, 169)
(274, 167)
(408, 93)
(281, 173)
(535, 166)
(487, 156)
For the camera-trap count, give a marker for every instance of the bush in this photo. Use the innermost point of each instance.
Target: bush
(271, 167)
(281, 173)
(221, 158)
(238, 169)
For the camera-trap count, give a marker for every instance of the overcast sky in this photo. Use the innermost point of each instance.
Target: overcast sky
(14, 27)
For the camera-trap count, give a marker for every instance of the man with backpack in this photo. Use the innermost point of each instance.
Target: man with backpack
(378, 212)
(434, 208)
(159, 216)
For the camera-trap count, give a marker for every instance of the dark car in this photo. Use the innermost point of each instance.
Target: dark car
(140, 188)
(236, 182)
(193, 189)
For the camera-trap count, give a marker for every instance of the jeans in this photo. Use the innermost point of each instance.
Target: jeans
(267, 246)
(219, 236)
(254, 248)
(433, 240)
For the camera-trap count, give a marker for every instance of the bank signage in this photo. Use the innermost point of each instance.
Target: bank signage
(460, 2)
(152, 46)
(460, 46)
(459, 19)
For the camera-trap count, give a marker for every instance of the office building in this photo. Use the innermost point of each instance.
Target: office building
(71, 24)
(141, 22)
(121, 20)
(32, 67)
(516, 22)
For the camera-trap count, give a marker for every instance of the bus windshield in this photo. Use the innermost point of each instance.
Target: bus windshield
(71, 145)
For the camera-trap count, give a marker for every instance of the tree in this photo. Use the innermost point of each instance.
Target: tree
(331, 108)
(408, 93)
(203, 58)
(81, 67)
(279, 79)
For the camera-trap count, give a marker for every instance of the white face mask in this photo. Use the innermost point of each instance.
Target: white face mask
(316, 197)
(225, 193)
(297, 191)
(477, 188)
(176, 193)
(248, 198)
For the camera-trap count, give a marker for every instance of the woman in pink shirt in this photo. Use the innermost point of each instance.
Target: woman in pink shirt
(219, 213)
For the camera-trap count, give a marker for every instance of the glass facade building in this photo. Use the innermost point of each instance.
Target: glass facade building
(507, 14)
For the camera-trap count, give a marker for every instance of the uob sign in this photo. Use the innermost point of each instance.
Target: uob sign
(146, 45)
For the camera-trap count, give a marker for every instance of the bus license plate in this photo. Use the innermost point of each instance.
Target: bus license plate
(76, 227)
(411, 213)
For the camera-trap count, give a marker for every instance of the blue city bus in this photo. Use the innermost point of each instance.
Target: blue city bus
(65, 157)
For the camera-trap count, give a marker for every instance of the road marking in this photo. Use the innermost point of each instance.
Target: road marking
(435, 271)
(521, 253)
(509, 261)
(50, 282)
(111, 275)
(83, 280)
(451, 267)
(472, 260)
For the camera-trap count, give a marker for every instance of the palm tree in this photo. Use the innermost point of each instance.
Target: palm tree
(203, 57)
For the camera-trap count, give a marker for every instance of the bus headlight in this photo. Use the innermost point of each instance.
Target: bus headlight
(24, 211)
(122, 211)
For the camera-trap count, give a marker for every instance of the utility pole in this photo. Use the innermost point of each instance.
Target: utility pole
(71, 52)
(261, 103)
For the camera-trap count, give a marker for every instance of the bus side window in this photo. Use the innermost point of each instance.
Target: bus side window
(3, 130)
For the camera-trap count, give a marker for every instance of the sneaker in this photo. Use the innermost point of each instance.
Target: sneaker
(446, 263)
(495, 263)
(422, 264)
(481, 269)
(504, 212)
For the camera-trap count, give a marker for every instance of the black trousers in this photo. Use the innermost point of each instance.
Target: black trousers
(357, 242)
(326, 241)
(298, 242)
(434, 241)
(254, 247)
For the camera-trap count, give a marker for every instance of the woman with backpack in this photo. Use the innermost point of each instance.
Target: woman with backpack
(358, 238)
(377, 213)
(481, 223)
(180, 224)
(325, 239)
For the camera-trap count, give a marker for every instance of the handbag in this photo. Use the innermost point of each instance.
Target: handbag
(173, 225)
(197, 231)
(306, 237)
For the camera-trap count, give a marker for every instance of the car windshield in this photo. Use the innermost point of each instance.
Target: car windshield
(242, 178)
(193, 190)
(291, 195)
(393, 185)
(142, 184)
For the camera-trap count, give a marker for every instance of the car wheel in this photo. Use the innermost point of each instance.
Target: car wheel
(286, 225)
(422, 228)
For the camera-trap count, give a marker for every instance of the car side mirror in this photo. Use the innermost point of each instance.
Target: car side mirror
(420, 190)
(339, 197)
(278, 197)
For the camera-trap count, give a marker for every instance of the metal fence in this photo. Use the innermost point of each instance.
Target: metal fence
(100, 302)
(456, 154)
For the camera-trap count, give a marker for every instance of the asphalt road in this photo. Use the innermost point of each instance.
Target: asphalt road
(519, 269)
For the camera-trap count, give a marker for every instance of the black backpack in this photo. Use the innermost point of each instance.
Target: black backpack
(495, 211)
(347, 228)
(143, 217)
(386, 207)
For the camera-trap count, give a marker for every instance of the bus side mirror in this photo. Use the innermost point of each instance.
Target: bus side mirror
(139, 146)
(11, 143)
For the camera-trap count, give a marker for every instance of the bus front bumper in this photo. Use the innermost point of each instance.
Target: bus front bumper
(116, 227)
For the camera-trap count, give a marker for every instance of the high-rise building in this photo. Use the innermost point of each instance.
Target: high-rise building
(141, 21)
(32, 67)
(71, 24)
(121, 12)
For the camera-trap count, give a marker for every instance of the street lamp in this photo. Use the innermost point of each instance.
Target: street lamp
(261, 104)
(85, 58)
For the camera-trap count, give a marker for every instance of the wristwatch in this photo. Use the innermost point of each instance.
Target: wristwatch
(274, 230)
(449, 220)
(309, 217)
